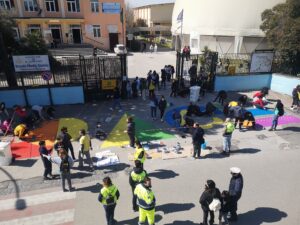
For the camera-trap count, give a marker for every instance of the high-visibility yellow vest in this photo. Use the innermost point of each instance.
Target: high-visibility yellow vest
(229, 127)
(145, 197)
(137, 154)
(233, 104)
(109, 192)
(138, 178)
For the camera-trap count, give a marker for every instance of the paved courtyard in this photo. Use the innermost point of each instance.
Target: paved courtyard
(269, 163)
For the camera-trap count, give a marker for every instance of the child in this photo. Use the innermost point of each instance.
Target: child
(47, 163)
(279, 111)
(225, 207)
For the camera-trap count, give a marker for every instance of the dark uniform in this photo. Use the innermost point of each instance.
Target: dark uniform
(66, 141)
(235, 192)
(131, 132)
(198, 140)
(47, 164)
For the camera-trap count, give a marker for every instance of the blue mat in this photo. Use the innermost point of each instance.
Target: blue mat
(169, 114)
(260, 112)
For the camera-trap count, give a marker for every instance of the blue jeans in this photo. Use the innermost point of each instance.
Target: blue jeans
(227, 143)
(275, 121)
(153, 112)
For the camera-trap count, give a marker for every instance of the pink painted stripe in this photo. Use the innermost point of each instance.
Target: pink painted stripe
(37, 210)
(283, 120)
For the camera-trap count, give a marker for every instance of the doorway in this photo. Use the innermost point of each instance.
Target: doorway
(56, 35)
(113, 40)
(76, 33)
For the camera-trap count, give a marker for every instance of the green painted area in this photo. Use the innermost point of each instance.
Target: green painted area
(74, 126)
(146, 131)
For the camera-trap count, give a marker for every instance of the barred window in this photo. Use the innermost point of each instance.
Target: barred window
(52, 5)
(97, 31)
(73, 5)
(95, 6)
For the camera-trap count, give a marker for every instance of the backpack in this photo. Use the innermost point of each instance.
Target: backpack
(65, 165)
(110, 200)
(215, 205)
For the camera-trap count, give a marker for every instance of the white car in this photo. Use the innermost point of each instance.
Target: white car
(120, 49)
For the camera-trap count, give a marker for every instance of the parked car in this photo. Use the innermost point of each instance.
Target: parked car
(120, 49)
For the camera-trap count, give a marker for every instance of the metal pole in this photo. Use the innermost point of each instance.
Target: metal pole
(181, 35)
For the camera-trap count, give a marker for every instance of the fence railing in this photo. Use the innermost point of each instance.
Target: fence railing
(233, 63)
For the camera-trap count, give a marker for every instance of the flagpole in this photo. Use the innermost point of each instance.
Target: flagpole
(181, 35)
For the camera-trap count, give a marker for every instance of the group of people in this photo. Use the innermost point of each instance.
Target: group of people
(64, 161)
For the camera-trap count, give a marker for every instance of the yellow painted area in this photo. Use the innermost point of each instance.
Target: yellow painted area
(73, 125)
(117, 137)
(182, 113)
(216, 121)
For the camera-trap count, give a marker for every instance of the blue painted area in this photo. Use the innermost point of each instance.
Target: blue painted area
(12, 97)
(169, 114)
(284, 84)
(39, 96)
(67, 95)
(260, 112)
(242, 82)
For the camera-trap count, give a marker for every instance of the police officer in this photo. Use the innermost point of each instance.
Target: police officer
(136, 177)
(47, 164)
(198, 140)
(108, 196)
(139, 154)
(145, 200)
(130, 131)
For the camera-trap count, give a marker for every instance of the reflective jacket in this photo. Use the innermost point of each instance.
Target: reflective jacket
(109, 195)
(137, 176)
(140, 155)
(144, 197)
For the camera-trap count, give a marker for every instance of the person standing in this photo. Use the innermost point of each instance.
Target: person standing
(151, 88)
(155, 48)
(151, 48)
(136, 177)
(153, 106)
(140, 154)
(210, 193)
(144, 199)
(108, 196)
(227, 135)
(296, 97)
(198, 140)
(162, 105)
(116, 99)
(163, 78)
(279, 111)
(66, 141)
(47, 164)
(235, 191)
(85, 147)
(130, 131)
(174, 88)
(134, 89)
(3, 110)
(128, 88)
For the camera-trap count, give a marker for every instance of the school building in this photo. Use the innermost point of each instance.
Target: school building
(69, 22)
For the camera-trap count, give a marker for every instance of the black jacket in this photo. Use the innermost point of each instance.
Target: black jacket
(131, 128)
(66, 139)
(208, 196)
(236, 186)
(162, 104)
(198, 136)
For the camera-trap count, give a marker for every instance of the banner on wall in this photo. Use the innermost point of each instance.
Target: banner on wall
(25, 63)
(111, 8)
(261, 62)
(108, 84)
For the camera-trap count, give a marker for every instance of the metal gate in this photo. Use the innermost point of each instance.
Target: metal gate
(205, 63)
(96, 69)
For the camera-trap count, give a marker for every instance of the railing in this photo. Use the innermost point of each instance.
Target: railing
(233, 63)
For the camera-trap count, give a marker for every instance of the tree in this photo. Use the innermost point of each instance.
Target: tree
(140, 23)
(282, 27)
(129, 16)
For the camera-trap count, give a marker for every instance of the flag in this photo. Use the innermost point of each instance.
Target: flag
(122, 16)
(180, 16)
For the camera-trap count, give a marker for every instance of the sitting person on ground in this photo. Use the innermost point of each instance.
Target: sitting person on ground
(38, 110)
(193, 110)
(296, 97)
(237, 113)
(222, 95)
(21, 130)
(243, 100)
(50, 112)
(210, 109)
(249, 120)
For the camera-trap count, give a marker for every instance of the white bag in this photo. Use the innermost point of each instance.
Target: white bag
(215, 205)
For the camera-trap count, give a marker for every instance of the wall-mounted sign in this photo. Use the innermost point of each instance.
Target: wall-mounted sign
(111, 8)
(261, 62)
(47, 75)
(108, 84)
(24, 63)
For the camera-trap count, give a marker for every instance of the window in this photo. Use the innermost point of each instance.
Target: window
(6, 4)
(52, 6)
(73, 5)
(34, 28)
(94, 5)
(30, 5)
(97, 31)
(16, 33)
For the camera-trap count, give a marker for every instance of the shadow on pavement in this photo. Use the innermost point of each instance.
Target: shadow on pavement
(136, 220)
(293, 129)
(93, 188)
(216, 155)
(186, 222)
(174, 207)
(113, 168)
(260, 216)
(24, 163)
(163, 174)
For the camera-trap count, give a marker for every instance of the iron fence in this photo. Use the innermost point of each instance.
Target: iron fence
(234, 63)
